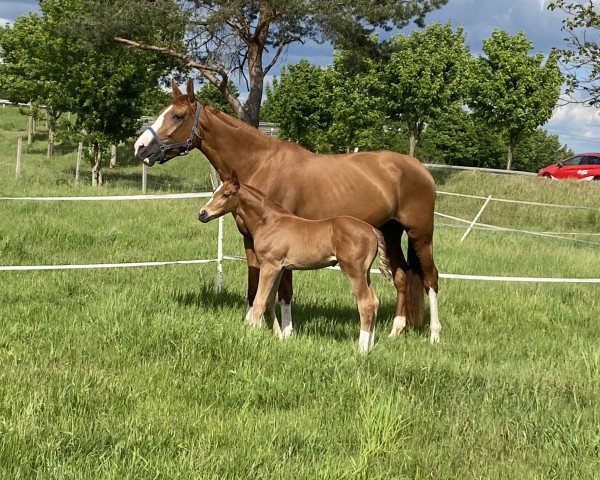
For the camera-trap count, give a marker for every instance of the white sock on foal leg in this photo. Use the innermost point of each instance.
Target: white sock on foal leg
(398, 326)
(434, 325)
(365, 341)
(286, 319)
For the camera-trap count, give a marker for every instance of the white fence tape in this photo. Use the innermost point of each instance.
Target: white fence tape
(233, 257)
(169, 196)
(523, 202)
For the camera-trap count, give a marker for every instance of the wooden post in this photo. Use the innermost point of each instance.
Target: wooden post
(19, 150)
(144, 178)
(214, 179)
(77, 168)
(50, 150)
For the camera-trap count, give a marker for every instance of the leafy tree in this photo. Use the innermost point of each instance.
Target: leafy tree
(226, 39)
(424, 76)
(210, 95)
(301, 102)
(581, 58)
(539, 149)
(103, 88)
(512, 90)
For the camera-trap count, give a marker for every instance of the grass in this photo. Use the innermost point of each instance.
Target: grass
(148, 373)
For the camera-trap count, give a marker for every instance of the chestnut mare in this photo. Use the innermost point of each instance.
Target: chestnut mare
(390, 191)
(283, 241)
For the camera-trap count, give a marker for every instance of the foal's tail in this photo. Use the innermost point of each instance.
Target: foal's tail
(384, 263)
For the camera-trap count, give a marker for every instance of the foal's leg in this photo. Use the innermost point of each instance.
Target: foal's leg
(269, 276)
(270, 309)
(392, 233)
(422, 241)
(367, 303)
(285, 301)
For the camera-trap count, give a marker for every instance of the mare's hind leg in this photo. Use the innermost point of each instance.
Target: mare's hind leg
(367, 303)
(285, 301)
(392, 233)
(423, 245)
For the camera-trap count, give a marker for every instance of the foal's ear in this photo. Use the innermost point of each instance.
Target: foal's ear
(190, 91)
(234, 179)
(175, 88)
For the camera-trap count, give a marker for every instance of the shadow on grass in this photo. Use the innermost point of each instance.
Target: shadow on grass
(323, 320)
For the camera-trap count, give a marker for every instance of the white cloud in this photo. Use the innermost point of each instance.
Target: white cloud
(4, 21)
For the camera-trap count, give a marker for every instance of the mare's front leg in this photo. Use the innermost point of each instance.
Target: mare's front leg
(253, 274)
(265, 296)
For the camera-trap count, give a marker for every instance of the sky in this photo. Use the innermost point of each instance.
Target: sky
(577, 126)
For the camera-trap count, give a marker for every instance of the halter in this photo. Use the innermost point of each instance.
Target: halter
(188, 143)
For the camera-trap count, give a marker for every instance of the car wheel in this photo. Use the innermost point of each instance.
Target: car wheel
(597, 177)
(547, 176)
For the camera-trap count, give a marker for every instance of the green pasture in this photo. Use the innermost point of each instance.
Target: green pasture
(148, 373)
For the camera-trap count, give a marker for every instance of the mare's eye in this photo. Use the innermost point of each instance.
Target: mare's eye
(177, 117)
(226, 195)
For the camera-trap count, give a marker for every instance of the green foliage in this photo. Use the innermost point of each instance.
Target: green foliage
(581, 57)
(512, 90)
(210, 95)
(425, 75)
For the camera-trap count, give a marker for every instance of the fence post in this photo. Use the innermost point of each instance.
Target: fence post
(144, 178)
(214, 180)
(476, 218)
(19, 151)
(77, 168)
(30, 130)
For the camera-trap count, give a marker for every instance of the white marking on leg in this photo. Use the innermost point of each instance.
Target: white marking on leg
(146, 137)
(248, 318)
(365, 340)
(286, 319)
(434, 325)
(398, 326)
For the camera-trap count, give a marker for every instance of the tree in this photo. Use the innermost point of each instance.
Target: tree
(210, 95)
(581, 58)
(300, 102)
(228, 39)
(425, 76)
(512, 90)
(103, 87)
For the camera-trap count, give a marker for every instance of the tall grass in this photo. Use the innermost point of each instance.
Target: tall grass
(149, 373)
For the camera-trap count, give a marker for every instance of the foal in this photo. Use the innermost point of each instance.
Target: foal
(283, 241)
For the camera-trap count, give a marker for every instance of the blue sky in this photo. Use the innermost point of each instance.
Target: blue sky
(576, 125)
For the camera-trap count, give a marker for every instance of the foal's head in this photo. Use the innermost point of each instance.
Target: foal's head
(224, 200)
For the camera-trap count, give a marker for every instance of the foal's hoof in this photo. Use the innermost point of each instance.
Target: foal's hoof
(434, 337)
(287, 332)
(398, 327)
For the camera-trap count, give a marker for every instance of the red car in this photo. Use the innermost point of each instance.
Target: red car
(585, 166)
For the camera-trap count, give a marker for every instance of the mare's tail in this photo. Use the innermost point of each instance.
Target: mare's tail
(415, 289)
(384, 262)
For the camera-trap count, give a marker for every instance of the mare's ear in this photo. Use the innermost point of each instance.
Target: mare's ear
(190, 91)
(175, 88)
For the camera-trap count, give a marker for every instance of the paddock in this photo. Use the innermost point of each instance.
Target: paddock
(148, 371)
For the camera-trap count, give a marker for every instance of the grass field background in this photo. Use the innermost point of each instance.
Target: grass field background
(149, 373)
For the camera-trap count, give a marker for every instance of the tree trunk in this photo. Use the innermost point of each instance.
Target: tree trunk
(511, 145)
(96, 161)
(251, 110)
(412, 142)
(30, 130)
(113, 157)
(50, 151)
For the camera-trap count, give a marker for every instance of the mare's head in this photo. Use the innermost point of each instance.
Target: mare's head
(175, 130)
(224, 200)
